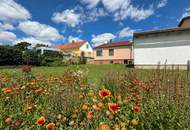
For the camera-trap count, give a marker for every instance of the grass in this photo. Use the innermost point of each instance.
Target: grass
(95, 72)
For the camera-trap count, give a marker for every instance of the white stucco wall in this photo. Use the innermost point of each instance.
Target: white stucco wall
(166, 48)
(85, 49)
(88, 51)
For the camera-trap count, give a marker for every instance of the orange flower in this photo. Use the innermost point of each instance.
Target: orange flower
(28, 107)
(104, 93)
(38, 91)
(135, 108)
(129, 98)
(113, 107)
(50, 126)
(90, 115)
(41, 121)
(7, 90)
(104, 127)
(138, 97)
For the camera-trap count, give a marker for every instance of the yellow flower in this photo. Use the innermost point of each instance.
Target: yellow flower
(90, 93)
(85, 107)
(123, 128)
(100, 105)
(117, 128)
(81, 97)
(134, 122)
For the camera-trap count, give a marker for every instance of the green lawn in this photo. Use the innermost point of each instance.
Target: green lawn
(95, 72)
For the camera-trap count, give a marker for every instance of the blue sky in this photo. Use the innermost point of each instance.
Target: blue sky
(97, 21)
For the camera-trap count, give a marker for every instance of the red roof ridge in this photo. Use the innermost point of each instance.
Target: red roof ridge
(71, 45)
(115, 44)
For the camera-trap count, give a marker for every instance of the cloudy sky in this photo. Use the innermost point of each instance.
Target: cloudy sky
(60, 21)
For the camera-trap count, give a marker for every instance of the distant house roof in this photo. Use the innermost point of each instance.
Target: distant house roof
(73, 45)
(136, 34)
(116, 44)
(181, 22)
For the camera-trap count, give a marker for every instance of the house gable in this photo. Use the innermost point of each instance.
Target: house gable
(185, 22)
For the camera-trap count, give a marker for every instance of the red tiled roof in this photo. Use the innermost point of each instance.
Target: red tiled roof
(136, 34)
(73, 45)
(116, 44)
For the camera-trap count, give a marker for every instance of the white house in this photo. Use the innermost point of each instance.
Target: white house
(165, 47)
(42, 49)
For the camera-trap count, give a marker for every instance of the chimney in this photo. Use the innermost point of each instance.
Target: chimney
(110, 41)
(73, 41)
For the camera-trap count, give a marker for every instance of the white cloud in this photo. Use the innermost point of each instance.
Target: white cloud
(6, 26)
(95, 14)
(187, 9)
(76, 39)
(69, 17)
(186, 13)
(7, 37)
(126, 32)
(40, 31)
(33, 41)
(162, 3)
(90, 3)
(73, 19)
(12, 11)
(123, 9)
(102, 38)
(113, 5)
(132, 12)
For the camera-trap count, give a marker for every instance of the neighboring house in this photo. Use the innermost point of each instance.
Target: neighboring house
(114, 53)
(169, 47)
(77, 49)
(43, 49)
(185, 22)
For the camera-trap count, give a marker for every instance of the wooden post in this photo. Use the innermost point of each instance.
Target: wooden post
(188, 65)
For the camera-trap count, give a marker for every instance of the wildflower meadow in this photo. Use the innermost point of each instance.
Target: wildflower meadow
(127, 100)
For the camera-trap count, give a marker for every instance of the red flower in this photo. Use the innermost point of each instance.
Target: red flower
(50, 126)
(104, 93)
(41, 121)
(135, 108)
(113, 107)
(7, 90)
(90, 115)
(26, 69)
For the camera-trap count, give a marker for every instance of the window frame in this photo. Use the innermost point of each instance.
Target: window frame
(112, 52)
(98, 53)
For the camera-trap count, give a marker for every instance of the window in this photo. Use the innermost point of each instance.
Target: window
(89, 54)
(98, 52)
(111, 52)
(87, 46)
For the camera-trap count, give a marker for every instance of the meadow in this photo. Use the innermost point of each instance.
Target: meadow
(94, 97)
